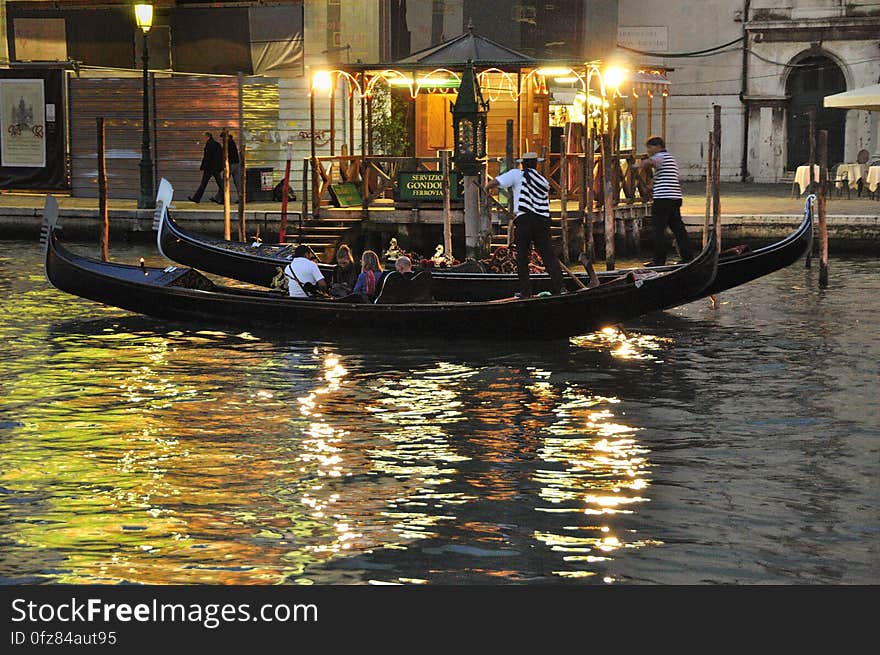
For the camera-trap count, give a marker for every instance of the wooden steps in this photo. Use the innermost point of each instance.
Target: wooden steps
(325, 235)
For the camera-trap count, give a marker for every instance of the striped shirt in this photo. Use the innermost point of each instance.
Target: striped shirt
(531, 191)
(666, 176)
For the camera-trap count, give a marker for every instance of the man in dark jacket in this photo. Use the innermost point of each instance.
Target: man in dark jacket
(234, 169)
(212, 166)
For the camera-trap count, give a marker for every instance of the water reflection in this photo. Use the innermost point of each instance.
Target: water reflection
(141, 451)
(195, 456)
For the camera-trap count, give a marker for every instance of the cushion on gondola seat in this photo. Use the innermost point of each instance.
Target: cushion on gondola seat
(420, 286)
(396, 288)
(470, 266)
(192, 279)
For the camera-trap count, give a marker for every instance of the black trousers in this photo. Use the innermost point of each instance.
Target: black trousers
(667, 213)
(207, 175)
(531, 228)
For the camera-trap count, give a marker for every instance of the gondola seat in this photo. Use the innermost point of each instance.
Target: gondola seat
(421, 287)
(398, 288)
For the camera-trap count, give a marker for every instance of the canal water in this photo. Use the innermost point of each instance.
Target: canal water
(737, 445)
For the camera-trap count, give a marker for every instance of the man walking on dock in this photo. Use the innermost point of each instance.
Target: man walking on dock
(531, 204)
(212, 166)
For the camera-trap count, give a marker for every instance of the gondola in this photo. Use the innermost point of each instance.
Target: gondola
(256, 263)
(184, 294)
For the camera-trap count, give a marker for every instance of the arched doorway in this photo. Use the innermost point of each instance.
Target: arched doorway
(812, 79)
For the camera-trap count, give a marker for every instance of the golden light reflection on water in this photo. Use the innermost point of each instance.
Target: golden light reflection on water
(601, 471)
(416, 416)
(142, 491)
(264, 463)
(623, 345)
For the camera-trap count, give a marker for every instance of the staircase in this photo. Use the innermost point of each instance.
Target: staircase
(324, 235)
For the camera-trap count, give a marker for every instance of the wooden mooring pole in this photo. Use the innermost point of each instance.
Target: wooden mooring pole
(102, 193)
(609, 205)
(710, 169)
(313, 160)
(282, 229)
(305, 188)
(447, 210)
(716, 175)
(808, 260)
(508, 154)
(589, 197)
(227, 226)
(242, 163)
(563, 200)
(823, 225)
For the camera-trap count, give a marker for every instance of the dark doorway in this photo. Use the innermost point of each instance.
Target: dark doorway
(812, 80)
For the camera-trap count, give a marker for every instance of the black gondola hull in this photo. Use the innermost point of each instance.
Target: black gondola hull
(257, 264)
(183, 294)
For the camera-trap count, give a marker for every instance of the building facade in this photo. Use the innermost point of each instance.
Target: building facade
(790, 54)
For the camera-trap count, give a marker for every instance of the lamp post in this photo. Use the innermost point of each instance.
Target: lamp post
(146, 200)
(469, 131)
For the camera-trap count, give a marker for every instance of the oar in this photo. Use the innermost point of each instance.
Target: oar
(574, 277)
(510, 213)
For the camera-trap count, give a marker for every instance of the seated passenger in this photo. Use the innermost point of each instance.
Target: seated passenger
(403, 286)
(304, 278)
(345, 273)
(403, 265)
(368, 280)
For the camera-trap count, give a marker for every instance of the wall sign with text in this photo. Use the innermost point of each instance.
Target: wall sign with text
(426, 186)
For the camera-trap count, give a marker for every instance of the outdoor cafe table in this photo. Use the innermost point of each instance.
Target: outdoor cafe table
(854, 173)
(802, 176)
(872, 179)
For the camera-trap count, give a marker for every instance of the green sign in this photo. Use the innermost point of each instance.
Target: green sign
(346, 195)
(426, 186)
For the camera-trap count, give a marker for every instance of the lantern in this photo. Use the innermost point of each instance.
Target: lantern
(469, 124)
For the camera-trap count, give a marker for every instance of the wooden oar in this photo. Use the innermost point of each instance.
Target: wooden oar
(562, 266)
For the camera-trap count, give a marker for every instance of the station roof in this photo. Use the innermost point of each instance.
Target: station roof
(468, 46)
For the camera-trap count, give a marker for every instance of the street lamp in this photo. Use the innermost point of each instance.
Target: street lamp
(144, 17)
(469, 134)
(469, 124)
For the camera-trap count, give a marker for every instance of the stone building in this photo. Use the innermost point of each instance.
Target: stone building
(765, 62)
(791, 54)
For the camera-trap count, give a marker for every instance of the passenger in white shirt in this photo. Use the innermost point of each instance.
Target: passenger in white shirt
(303, 271)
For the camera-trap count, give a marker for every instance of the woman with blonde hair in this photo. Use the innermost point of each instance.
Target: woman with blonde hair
(371, 271)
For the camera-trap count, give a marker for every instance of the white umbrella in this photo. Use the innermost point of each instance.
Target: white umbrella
(868, 97)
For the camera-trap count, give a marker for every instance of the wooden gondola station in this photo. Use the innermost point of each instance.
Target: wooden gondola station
(469, 107)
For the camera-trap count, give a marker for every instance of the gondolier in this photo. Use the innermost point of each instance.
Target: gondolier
(666, 205)
(531, 204)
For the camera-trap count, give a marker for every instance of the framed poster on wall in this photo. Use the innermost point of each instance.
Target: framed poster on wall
(22, 123)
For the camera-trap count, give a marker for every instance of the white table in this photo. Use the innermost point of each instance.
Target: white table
(854, 173)
(802, 176)
(872, 179)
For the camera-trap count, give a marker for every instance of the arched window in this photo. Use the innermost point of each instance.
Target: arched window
(811, 80)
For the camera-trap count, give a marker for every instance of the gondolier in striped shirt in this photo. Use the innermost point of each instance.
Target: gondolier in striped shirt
(531, 204)
(666, 211)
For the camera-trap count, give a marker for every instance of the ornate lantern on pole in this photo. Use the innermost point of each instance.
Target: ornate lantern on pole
(469, 130)
(144, 15)
(469, 124)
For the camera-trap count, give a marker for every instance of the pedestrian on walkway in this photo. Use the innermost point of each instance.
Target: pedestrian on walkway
(666, 211)
(531, 204)
(234, 166)
(212, 166)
